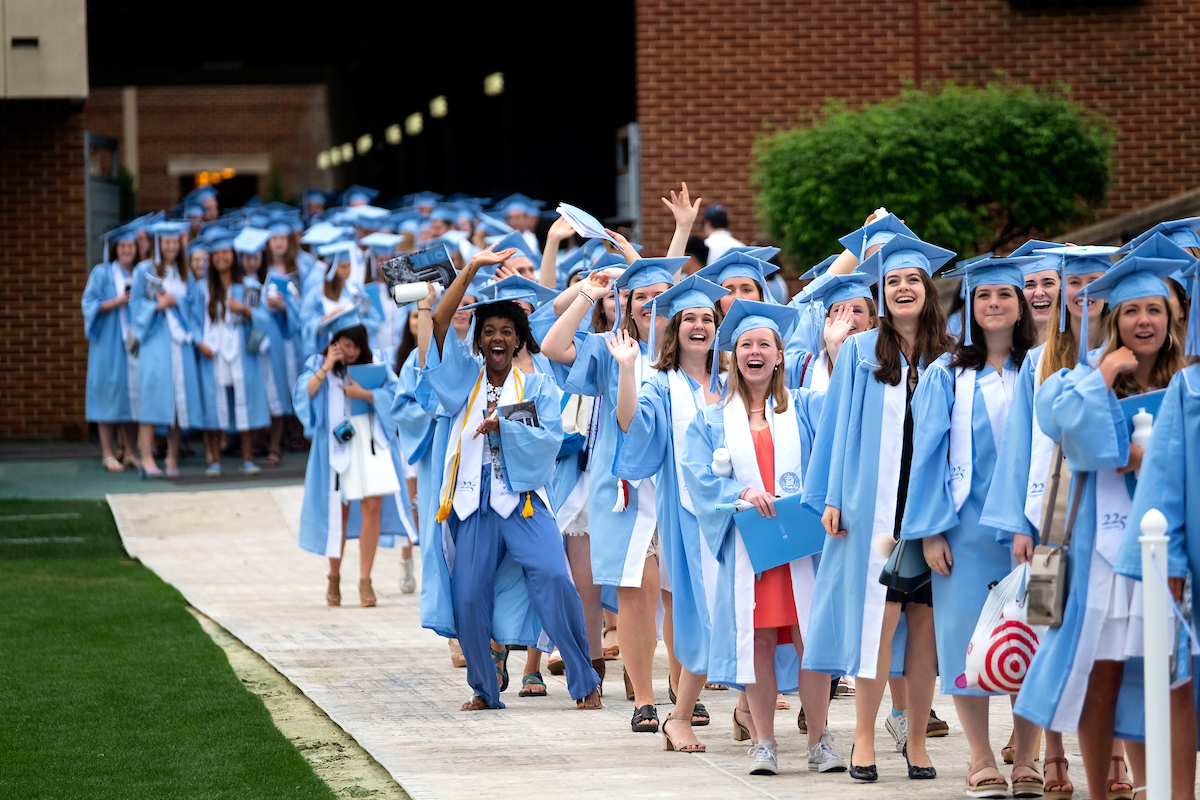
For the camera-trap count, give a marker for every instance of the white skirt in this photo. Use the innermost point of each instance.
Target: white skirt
(369, 474)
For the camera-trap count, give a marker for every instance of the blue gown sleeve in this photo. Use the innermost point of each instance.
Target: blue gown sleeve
(453, 376)
(823, 478)
(311, 311)
(1080, 407)
(590, 374)
(310, 411)
(142, 311)
(808, 405)
(930, 509)
(529, 452)
(1162, 484)
(385, 395)
(413, 422)
(706, 489)
(1004, 508)
(642, 451)
(98, 290)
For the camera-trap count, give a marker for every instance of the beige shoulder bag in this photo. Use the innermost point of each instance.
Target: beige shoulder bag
(1047, 589)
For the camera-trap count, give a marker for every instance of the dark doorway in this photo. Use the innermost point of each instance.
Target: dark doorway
(231, 192)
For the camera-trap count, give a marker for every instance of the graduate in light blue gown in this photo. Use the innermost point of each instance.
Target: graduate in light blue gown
(652, 423)
(335, 294)
(850, 310)
(743, 275)
(280, 358)
(161, 321)
(1169, 481)
(765, 429)
(856, 479)
(337, 476)
(493, 498)
(230, 334)
(111, 397)
(1043, 283)
(1075, 679)
(959, 412)
(621, 514)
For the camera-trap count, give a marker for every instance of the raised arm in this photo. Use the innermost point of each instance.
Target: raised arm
(444, 313)
(627, 250)
(685, 212)
(425, 323)
(559, 344)
(560, 230)
(626, 351)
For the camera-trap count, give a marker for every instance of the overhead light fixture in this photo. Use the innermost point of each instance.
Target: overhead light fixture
(438, 107)
(228, 172)
(493, 84)
(414, 123)
(323, 160)
(347, 153)
(392, 135)
(335, 156)
(364, 144)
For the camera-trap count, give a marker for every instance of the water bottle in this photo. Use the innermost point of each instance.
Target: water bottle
(1143, 421)
(722, 467)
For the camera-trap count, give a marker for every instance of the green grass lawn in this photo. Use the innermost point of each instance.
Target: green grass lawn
(108, 686)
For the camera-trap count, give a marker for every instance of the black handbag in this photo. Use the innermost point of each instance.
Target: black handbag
(906, 570)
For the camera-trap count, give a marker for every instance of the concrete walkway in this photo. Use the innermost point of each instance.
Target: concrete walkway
(389, 683)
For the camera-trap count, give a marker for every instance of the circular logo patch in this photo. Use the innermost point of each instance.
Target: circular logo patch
(789, 482)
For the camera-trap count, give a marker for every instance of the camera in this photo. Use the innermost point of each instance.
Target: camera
(344, 432)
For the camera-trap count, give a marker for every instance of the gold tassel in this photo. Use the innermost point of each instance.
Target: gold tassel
(527, 511)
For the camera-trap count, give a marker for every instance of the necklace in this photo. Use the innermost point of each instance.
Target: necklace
(493, 393)
(756, 410)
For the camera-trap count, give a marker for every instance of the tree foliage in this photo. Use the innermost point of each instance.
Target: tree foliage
(970, 169)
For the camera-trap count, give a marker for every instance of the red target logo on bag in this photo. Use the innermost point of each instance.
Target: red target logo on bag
(1007, 654)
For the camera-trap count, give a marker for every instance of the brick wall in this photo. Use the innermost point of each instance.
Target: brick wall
(43, 367)
(712, 74)
(289, 122)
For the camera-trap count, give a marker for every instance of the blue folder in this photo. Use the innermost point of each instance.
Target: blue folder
(1151, 401)
(794, 532)
(368, 376)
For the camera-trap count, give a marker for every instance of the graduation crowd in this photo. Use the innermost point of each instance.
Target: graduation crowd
(809, 495)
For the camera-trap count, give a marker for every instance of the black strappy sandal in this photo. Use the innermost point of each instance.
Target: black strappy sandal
(645, 720)
(699, 715)
(501, 659)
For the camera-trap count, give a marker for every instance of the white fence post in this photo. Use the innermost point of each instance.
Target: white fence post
(1157, 648)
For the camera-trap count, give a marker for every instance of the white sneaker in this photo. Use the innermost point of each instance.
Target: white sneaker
(408, 584)
(827, 737)
(765, 761)
(898, 728)
(823, 758)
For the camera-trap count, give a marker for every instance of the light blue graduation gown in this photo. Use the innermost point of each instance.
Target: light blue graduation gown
(167, 370)
(523, 458)
(283, 331)
(930, 509)
(1004, 508)
(315, 534)
(312, 311)
(249, 408)
(731, 651)
(649, 450)
(1169, 480)
(110, 395)
(1078, 409)
(809, 333)
(859, 440)
(619, 539)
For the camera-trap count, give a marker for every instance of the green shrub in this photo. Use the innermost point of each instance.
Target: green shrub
(969, 169)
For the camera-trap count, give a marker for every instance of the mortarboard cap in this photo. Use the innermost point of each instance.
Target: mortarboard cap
(748, 315)
(988, 270)
(1180, 231)
(691, 292)
(877, 232)
(251, 240)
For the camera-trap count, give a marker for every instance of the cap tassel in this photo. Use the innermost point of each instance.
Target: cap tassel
(1083, 329)
(653, 326)
(1062, 297)
(157, 258)
(716, 363)
(527, 511)
(882, 303)
(106, 259)
(617, 311)
(969, 314)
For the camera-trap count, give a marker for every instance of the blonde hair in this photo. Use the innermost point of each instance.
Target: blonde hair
(1169, 360)
(736, 385)
(1062, 347)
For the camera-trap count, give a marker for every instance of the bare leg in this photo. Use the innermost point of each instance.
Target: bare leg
(899, 691)
(761, 693)
(673, 665)
(920, 669)
(146, 446)
(868, 692)
(973, 714)
(814, 694)
(639, 635)
(1183, 747)
(1096, 724)
(368, 535)
(335, 564)
(248, 447)
(173, 437)
(686, 696)
(579, 554)
(276, 436)
(107, 430)
(742, 713)
(1026, 739)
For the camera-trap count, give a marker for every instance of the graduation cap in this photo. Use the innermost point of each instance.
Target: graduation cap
(879, 231)
(383, 244)
(516, 240)
(445, 213)
(1045, 261)
(902, 252)
(358, 195)
(199, 195)
(1180, 231)
(1191, 279)
(366, 216)
(1141, 273)
(748, 315)
(642, 273)
(314, 195)
(761, 252)
(122, 233)
(421, 198)
(838, 288)
(988, 270)
(323, 233)
(336, 252)
(820, 269)
(192, 210)
(342, 320)
(280, 228)
(251, 240)
(691, 292)
(1076, 260)
(514, 287)
(519, 201)
(740, 265)
(493, 226)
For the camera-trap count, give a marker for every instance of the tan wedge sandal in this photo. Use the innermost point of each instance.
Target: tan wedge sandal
(366, 594)
(333, 592)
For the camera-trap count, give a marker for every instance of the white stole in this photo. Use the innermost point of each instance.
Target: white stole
(820, 368)
(1041, 450)
(997, 394)
(469, 449)
(339, 461)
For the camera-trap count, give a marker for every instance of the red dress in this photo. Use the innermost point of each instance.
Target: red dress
(774, 602)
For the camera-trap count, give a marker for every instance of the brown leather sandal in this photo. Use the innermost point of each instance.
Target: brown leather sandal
(1117, 788)
(333, 592)
(366, 594)
(669, 745)
(1027, 785)
(1060, 790)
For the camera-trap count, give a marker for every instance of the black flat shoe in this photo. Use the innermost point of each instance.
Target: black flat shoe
(918, 773)
(645, 720)
(868, 773)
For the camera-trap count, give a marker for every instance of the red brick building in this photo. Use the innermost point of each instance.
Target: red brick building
(713, 75)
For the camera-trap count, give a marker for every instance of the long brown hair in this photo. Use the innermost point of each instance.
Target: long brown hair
(736, 385)
(974, 356)
(1170, 358)
(358, 335)
(289, 260)
(668, 349)
(931, 342)
(160, 267)
(1062, 347)
(216, 289)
